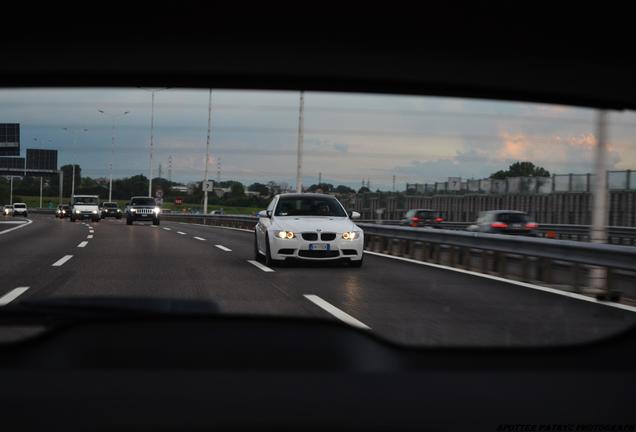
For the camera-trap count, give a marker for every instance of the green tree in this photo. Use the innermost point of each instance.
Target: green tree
(363, 189)
(521, 169)
(262, 189)
(237, 190)
(325, 187)
(68, 178)
(342, 189)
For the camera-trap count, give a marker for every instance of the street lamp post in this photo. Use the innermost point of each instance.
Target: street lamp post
(152, 127)
(74, 133)
(112, 150)
(207, 156)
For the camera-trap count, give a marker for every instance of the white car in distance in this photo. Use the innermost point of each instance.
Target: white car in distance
(20, 209)
(308, 226)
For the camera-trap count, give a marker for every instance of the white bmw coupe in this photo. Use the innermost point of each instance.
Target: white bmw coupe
(307, 226)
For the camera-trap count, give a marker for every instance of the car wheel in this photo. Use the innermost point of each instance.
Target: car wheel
(118, 217)
(257, 255)
(268, 256)
(129, 221)
(357, 263)
(155, 221)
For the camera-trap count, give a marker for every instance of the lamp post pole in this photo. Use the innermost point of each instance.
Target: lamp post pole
(112, 150)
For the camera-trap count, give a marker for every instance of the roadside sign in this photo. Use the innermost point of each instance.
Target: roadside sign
(178, 201)
(207, 186)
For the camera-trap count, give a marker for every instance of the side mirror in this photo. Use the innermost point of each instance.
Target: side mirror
(263, 213)
(355, 215)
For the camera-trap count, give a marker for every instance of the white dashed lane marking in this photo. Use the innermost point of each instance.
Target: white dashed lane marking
(12, 295)
(62, 260)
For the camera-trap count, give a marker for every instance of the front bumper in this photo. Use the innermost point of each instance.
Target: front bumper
(86, 215)
(298, 248)
(111, 214)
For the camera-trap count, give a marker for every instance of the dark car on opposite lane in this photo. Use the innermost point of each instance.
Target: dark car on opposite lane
(110, 209)
(422, 218)
(505, 222)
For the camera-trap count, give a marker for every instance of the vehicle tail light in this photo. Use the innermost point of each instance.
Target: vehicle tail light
(439, 219)
(499, 225)
(415, 219)
(532, 225)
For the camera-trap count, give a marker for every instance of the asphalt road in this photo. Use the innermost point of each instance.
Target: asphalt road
(398, 300)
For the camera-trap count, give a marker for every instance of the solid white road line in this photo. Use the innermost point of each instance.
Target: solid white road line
(168, 229)
(510, 281)
(342, 316)
(223, 248)
(62, 260)
(22, 225)
(12, 295)
(199, 238)
(182, 233)
(260, 266)
(82, 244)
(89, 236)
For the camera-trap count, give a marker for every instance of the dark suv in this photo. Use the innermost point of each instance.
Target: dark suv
(422, 218)
(110, 209)
(505, 222)
(142, 208)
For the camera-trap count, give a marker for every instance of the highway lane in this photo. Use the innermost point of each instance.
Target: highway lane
(28, 252)
(401, 301)
(412, 303)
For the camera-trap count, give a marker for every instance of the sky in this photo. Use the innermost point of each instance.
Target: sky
(347, 138)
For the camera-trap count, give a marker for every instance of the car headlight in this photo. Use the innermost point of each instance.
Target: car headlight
(132, 210)
(63, 211)
(285, 234)
(118, 211)
(94, 211)
(77, 212)
(156, 210)
(350, 235)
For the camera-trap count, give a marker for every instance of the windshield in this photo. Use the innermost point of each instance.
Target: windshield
(309, 206)
(85, 200)
(192, 170)
(512, 217)
(143, 201)
(19, 206)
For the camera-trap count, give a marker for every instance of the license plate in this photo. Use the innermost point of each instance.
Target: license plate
(516, 225)
(319, 247)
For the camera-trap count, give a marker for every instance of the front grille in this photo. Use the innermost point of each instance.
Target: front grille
(144, 211)
(318, 254)
(310, 236)
(328, 236)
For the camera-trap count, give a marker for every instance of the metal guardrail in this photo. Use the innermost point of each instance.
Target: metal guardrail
(615, 235)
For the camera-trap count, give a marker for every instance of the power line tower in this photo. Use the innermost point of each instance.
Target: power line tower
(160, 171)
(394, 183)
(319, 178)
(218, 169)
(170, 168)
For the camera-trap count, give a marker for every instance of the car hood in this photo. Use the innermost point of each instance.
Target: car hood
(308, 223)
